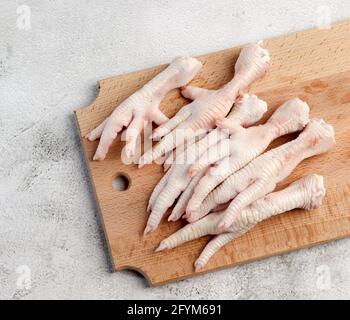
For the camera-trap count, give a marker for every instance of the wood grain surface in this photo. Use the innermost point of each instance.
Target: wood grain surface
(313, 65)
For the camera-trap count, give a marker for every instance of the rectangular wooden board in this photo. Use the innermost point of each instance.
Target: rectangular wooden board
(313, 65)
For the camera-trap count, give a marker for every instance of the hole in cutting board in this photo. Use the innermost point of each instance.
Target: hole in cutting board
(120, 183)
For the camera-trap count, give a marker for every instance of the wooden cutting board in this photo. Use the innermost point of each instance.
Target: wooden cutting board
(313, 65)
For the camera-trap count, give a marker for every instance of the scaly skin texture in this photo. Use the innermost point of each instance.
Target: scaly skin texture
(244, 145)
(249, 110)
(306, 193)
(143, 107)
(261, 175)
(208, 106)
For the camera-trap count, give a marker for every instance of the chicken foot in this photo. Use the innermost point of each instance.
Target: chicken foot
(142, 107)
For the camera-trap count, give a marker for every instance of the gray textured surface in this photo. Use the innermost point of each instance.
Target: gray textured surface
(48, 219)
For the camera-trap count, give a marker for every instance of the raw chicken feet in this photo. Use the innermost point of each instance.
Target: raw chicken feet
(306, 193)
(241, 147)
(261, 175)
(249, 110)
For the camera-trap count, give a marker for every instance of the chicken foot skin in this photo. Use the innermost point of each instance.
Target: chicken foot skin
(261, 175)
(208, 105)
(177, 179)
(142, 107)
(305, 193)
(234, 152)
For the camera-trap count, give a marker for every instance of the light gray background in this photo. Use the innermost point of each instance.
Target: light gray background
(48, 218)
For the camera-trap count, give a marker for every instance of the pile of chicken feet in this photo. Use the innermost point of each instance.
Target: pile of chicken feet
(218, 175)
